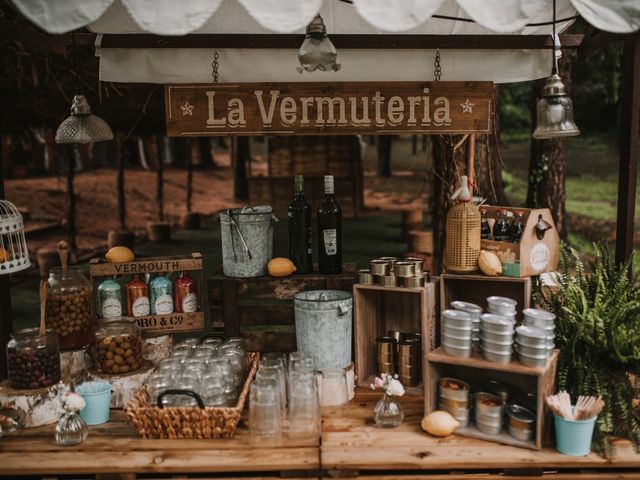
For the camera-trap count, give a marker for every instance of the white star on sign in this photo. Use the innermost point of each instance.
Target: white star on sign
(467, 106)
(187, 109)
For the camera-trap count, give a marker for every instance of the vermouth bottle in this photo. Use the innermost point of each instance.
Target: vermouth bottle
(300, 245)
(329, 231)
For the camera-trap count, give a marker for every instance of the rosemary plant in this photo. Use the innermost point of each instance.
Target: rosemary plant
(597, 312)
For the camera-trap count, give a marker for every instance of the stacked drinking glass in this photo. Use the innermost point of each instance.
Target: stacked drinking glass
(212, 369)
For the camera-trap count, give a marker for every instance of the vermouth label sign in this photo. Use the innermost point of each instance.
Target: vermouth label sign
(349, 108)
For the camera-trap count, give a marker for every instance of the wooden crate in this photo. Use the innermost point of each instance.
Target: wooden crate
(475, 370)
(278, 192)
(379, 309)
(261, 310)
(99, 269)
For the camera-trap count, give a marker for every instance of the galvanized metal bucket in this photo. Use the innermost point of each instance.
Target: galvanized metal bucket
(247, 240)
(323, 326)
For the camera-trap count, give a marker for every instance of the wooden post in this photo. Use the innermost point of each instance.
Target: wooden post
(384, 155)
(241, 153)
(6, 325)
(122, 211)
(71, 196)
(414, 145)
(189, 174)
(629, 131)
(153, 153)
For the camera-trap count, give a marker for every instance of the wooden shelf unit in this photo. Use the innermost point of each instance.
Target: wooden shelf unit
(379, 309)
(475, 369)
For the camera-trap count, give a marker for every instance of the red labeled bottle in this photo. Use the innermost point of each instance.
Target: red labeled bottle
(137, 291)
(185, 294)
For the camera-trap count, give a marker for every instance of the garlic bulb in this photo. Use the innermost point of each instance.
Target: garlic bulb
(439, 423)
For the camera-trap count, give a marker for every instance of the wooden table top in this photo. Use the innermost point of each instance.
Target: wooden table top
(349, 442)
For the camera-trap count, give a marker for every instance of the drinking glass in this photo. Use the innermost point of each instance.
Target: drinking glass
(304, 408)
(277, 375)
(265, 418)
(334, 389)
(157, 383)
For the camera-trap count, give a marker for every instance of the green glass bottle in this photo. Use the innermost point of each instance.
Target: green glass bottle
(329, 231)
(299, 214)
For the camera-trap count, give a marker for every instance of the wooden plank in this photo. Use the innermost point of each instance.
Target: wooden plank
(629, 131)
(269, 341)
(338, 108)
(99, 267)
(341, 41)
(476, 361)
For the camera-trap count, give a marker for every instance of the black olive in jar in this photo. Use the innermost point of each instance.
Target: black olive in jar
(33, 360)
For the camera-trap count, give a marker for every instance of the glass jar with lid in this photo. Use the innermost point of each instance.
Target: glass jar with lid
(33, 360)
(117, 347)
(68, 310)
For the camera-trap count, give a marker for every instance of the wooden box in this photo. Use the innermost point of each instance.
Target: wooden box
(260, 309)
(377, 310)
(537, 252)
(476, 289)
(100, 269)
(475, 370)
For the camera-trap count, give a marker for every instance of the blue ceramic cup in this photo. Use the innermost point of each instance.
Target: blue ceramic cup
(573, 437)
(97, 397)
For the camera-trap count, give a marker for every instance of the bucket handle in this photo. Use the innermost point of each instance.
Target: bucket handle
(233, 247)
(188, 393)
(342, 310)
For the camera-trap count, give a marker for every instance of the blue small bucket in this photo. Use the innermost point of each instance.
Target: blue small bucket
(573, 437)
(97, 397)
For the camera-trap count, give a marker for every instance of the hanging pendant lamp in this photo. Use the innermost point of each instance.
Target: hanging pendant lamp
(317, 52)
(83, 126)
(554, 110)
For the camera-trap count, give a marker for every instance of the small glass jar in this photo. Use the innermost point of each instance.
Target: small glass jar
(71, 429)
(388, 412)
(68, 310)
(33, 360)
(118, 346)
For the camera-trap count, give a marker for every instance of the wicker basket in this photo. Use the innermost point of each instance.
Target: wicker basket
(463, 238)
(188, 422)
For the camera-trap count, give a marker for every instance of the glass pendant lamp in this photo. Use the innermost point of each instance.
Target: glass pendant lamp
(317, 52)
(83, 126)
(554, 110)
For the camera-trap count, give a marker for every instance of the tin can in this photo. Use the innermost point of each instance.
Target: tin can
(365, 277)
(404, 269)
(388, 281)
(137, 293)
(110, 298)
(185, 294)
(161, 290)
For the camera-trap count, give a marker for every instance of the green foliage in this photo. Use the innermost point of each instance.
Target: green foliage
(598, 333)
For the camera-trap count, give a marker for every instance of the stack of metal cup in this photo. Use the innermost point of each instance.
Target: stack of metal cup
(453, 397)
(474, 311)
(392, 272)
(544, 320)
(387, 351)
(535, 339)
(409, 361)
(496, 337)
(503, 306)
(489, 413)
(456, 329)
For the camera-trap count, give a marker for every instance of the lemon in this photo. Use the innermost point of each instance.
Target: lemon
(5, 255)
(280, 267)
(120, 255)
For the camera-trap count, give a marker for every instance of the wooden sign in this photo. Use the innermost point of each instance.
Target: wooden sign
(350, 108)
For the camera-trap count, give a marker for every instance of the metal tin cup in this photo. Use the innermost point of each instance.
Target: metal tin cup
(414, 282)
(473, 310)
(365, 277)
(387, 354)
(454, 351)
(465, 332)
(458, 342)
(453, 389)
(390, 260)
(496, 323)
(418, 262)
(538, 361)
(500, 338)
(388, 281)
(498, 389)
(521, 422)
(457, 404)
(539, 318)
(488, 404)
(456, 319)
(404, 269)
(502, 305)
(502, 348)
(496, 356)
(380, 267)
(409, 347)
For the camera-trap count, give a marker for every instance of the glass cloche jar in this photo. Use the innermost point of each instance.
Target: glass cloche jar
(33, 360)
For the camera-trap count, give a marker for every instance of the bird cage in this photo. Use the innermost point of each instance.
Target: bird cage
(14, 255)
(463, 238)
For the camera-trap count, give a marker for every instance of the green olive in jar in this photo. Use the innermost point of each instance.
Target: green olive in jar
(109, 352)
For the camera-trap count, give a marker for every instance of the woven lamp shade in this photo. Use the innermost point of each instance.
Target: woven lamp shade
(463, 238)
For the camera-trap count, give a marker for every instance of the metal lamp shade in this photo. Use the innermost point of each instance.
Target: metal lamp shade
(83, 126)
(554, 112)
(317, 52)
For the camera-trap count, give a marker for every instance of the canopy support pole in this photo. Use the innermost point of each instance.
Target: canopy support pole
(629, 131)
(6, 326)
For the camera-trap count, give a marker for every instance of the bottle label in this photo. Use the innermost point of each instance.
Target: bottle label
(163, 305)
(190, 303)
(330, 241)
(140, 307)
(111, 307)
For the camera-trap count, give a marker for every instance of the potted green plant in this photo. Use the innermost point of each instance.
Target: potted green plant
(597, 311)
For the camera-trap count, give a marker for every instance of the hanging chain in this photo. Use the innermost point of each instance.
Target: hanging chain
(214, 66)
(437, 69)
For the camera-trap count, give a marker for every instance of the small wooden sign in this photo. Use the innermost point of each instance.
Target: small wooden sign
(349, 108)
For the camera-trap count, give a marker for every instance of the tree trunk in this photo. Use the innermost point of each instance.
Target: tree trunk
(71, 198)
(122, 210)
(448, 165)
(206, 154)
(384, 155)
(152, 154)
(241, 153)
(189, 174)
(547, 168)
(537, 168)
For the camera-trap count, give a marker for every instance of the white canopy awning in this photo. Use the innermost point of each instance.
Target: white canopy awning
(186, 65)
